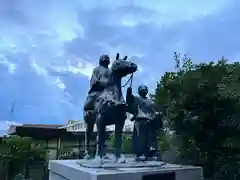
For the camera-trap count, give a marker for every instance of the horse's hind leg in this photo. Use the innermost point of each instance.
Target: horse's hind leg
(90, 121)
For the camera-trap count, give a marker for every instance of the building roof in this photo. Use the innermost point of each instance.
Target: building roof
(48, 126)
(41, 131)
(34, 128)
(3, 133)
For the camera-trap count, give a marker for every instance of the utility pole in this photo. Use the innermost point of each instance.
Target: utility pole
(12, 110)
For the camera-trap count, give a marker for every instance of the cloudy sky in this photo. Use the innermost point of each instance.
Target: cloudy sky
(48, 48)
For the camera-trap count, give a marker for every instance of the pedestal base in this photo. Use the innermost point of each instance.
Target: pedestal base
(70, 170)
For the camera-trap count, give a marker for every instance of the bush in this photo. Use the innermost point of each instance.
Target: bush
(18, 153)
(67, 153)
(202, 103)
(126, 143)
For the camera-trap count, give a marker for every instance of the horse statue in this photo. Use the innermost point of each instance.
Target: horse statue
(110, 109)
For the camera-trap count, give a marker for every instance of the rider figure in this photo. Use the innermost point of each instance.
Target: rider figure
(147, 122)
(98, 82)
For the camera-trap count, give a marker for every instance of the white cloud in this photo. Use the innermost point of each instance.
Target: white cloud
(78, 66)
(4, 126)
(12, 68)
(56, 45)
(83, 67)
(39, 70)
(59, 83)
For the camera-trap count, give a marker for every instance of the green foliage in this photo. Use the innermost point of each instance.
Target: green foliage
(21, 148)
(20, 177)
(126, 142)
(16, 152)
(163, 142)
(202, 103)
(67, 153)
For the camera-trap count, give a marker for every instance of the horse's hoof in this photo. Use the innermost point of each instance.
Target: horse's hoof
(105, 157)
(137, 159)
(87, 157)
(158, 158)
(120, 160)
(98, 160)
(151, 158)
(141, 158)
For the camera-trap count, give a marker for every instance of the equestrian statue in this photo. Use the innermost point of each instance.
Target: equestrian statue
(105, 104)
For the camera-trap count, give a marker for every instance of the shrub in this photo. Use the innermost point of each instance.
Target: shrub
(202, 103)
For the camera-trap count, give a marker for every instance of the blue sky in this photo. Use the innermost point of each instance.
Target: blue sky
(48, 48)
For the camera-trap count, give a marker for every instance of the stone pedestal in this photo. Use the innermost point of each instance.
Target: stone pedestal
(70, 170)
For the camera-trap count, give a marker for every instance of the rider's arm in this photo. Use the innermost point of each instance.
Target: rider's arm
(94, 77)
(99, 78)
(103, 81)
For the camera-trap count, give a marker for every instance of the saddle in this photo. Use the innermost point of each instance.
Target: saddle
(109, 99)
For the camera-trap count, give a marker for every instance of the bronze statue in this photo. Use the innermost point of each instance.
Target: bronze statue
(105, 105)
(146, 123)
(98, 82)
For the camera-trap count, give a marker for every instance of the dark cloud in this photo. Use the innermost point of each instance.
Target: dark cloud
(205, 38)
(135, 31)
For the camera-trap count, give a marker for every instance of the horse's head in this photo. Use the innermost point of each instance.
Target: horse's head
(123, 67)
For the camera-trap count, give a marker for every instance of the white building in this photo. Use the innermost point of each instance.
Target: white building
(80, 126)
(5, 126)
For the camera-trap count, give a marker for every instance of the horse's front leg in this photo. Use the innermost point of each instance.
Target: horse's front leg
(89, 119)
(118, 141)
(101, 130)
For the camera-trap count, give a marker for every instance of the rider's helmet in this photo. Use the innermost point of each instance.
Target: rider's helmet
(104, 60)
(143, 90)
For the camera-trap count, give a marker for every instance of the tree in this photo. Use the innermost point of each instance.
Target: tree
(67, 153)
(202, 103)
(126, 142)
(17, 153)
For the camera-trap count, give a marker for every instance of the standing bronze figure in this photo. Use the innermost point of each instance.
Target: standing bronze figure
(147, 121)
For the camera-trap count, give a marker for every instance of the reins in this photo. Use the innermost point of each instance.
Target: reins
(129, 80)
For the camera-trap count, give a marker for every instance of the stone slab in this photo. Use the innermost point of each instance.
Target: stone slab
(129, 162)
(70, 170)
